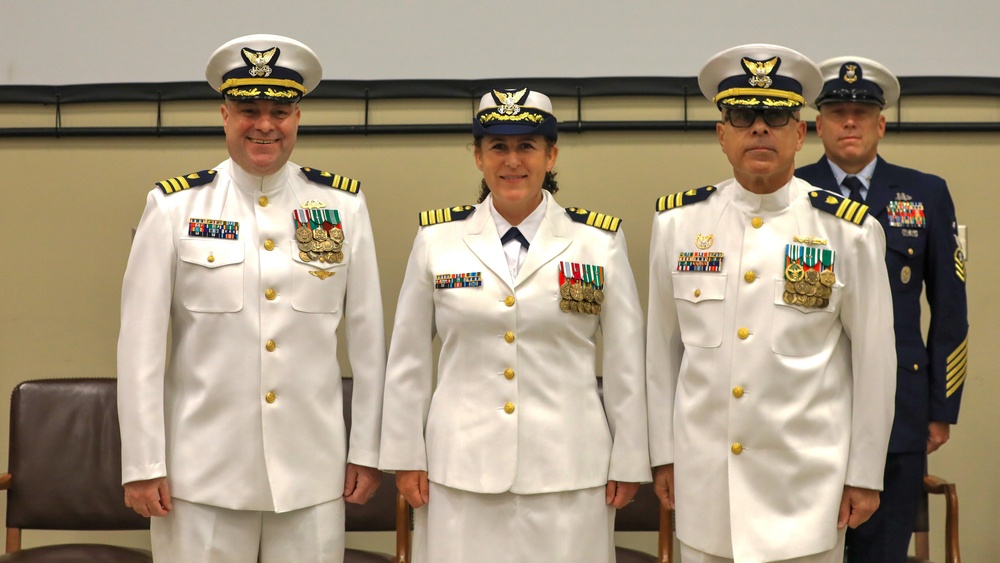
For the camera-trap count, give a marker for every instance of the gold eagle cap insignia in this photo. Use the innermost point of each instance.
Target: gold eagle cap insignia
(321, 274)
(509, 101)
(760, 71)
(851, 74)
(260, 60)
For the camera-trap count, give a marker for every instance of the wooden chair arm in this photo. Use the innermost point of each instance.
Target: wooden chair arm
(935, 485)
(404, 527)
(666, 537)
(939, 486)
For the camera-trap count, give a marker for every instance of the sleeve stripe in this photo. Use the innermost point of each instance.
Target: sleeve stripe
(960, 350)
(957, 370)
(956, 385)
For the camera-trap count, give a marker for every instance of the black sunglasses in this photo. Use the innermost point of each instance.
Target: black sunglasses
(743, 117)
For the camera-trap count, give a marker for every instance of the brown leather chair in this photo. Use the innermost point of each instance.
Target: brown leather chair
(934, 485)
(65, 470)
(387, 511)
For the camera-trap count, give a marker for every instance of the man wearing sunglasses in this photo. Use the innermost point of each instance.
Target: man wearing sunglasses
(769, 345)
(918, 216)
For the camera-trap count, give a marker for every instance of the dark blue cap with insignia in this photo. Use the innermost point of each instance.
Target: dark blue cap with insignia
(857, 79)
(264, 67)
(759, 76)
(515, 111)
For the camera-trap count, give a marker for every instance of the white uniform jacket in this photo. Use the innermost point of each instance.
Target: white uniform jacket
(516, 406)
(247, 413)
(766, 409)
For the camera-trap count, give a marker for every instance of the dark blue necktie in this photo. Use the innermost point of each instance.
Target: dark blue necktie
(854, 184)
(514, 234)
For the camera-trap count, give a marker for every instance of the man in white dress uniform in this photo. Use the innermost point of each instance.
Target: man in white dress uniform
(770, 357)
(233, 434)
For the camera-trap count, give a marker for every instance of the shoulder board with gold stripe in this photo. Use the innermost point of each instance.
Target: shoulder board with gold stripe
(445, 215)
(842, 207)
(181, 183)
(332, 180)
(678, 199)
(594, 219)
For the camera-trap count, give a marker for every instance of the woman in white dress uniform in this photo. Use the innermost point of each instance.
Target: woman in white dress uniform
(511, 456)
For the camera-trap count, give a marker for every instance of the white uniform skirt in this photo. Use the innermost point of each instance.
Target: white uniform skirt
(458, 527)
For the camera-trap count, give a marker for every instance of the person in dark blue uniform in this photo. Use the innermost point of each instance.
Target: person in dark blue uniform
(922, 250)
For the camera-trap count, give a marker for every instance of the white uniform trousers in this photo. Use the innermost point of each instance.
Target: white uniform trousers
(199, 533)
(458, 527)
(835, 555)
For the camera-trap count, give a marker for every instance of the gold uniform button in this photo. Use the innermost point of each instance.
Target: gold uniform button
(509, 337)
(509, 301)
(270, 346)
(757, 222)
(697, 293)
(269, 245)
(270, 397)
(909, 251)
(737, 391)
(743, 333)
(270, 294)
(916, 367)
(737, 448)
(750, 276)
(262, 201)
(508, 373)
(508, 408)
(211, 258)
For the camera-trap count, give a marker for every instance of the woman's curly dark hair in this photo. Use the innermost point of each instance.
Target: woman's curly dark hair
(549, 183)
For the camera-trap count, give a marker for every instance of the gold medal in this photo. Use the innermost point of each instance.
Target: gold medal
(822, 303)
(800, 299)
(789, 297)
(313, 255)
(794, 272)
(789, 287)
(304, 256)
(585, 307)
(305, 246)
(564, 305)
(812, 276)
(595, 309)
(564, 290)
(303, 234)
(800, 287)
(320, 234)
(326, 246)
(588, 293)
(827, 278)
(574, 307)
(338, 257)
(598, 296)
(337, 235)
(576, 291)
(811, 290)
(810, 301)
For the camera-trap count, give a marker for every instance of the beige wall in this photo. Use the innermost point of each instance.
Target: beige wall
(67, 207)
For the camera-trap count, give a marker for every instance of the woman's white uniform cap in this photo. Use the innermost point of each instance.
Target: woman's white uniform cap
(262, 66)
(857, 79)
(515, 111)
(759, 76)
